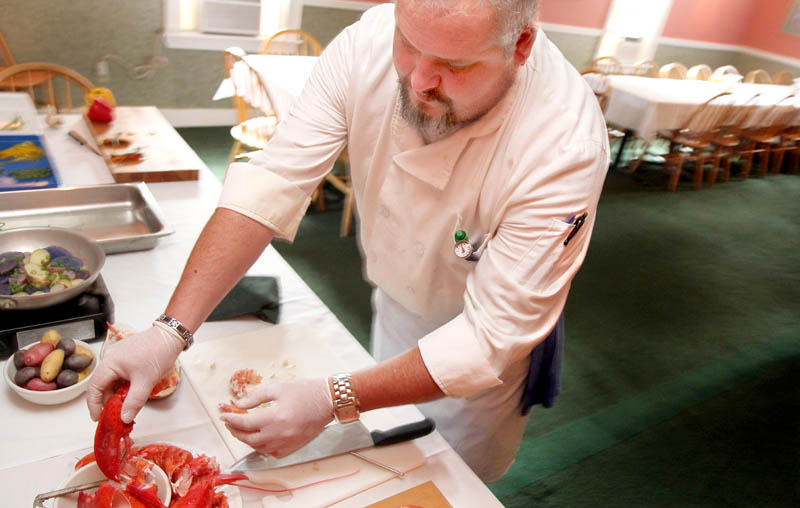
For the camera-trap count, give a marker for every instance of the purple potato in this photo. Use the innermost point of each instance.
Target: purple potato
(68, 262)
(7, 264)
(5, 289)
(82, 274)
(25, 374)
(19, 359)
(57, 252)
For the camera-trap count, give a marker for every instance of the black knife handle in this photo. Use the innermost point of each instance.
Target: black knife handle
(403, 432)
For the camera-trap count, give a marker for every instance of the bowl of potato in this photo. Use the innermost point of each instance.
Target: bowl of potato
(52, 371)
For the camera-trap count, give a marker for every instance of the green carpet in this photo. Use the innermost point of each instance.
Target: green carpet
(682, 362)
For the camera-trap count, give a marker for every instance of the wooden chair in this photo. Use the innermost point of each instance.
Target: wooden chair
(30, 79)
(646, 68)
(791, 137)
(759, 76)
(782, 78)
(255, 116)
(700, 72)
(693, 142)
(598, 82)
(728, 138)
(48, 84)
(291, 42)
(766, 140)
(301, 43)
(673, 70)
(720, 73)
(606, 65)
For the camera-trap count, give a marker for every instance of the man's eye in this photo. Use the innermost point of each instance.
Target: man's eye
(458, 67)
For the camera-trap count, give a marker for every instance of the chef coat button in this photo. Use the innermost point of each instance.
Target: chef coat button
(420, 249)
(384, 211)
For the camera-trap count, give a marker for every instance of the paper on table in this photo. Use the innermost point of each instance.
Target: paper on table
(282, 352)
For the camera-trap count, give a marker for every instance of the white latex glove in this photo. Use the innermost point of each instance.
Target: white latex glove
(299, 410)
(142, 358)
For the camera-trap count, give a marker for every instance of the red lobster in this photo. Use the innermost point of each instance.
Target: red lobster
(193, 479)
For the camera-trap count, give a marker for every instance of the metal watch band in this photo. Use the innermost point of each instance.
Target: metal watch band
(345, 402)
(176, 325)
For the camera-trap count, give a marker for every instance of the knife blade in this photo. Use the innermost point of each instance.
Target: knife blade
(336, 439)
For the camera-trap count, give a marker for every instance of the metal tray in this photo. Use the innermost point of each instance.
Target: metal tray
(121, 217)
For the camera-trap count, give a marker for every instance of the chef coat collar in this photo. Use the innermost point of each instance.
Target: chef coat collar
(433, 163)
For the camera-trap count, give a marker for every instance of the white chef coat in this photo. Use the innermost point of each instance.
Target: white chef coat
(511, 181)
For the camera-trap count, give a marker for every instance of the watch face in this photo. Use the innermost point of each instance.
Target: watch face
(463, 249)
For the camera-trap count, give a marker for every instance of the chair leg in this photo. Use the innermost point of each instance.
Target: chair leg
(777, 160)
(763, 158)
(347, 214)
(699, 166)
(747, 165)
(711, 178)
(794, 161)
(236, 149)
(672, 185)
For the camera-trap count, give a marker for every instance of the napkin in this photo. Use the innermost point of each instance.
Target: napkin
(252, 295)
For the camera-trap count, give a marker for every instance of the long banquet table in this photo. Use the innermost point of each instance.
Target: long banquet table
(42, 443)
(646, 105)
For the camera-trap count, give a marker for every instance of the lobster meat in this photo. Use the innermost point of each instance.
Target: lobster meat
(193, 479)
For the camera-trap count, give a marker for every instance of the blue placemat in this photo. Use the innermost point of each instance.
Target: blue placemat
(24, 164)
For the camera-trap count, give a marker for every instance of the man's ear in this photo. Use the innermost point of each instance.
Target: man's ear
(524, 44)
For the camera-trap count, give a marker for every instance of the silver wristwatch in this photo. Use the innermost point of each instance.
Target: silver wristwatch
(345, 403)
(176, 325)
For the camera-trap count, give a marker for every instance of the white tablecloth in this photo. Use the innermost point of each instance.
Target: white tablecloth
(646, 105)
(283, 76)
(40, 443)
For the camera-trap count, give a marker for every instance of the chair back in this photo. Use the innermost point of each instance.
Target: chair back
(725, 70)
(598, 82)
(758, 76)
(5, 53)
(782, 78)
(674, 70)
(291, 42)
(646, 68)
(700, 72)
(741, 115)
(48, 85)
(710, 115)
(606, 65)
(780, 115)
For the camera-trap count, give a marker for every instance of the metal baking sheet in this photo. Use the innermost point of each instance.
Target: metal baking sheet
(121, 217)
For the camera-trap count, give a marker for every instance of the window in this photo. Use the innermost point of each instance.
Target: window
(632, 29)
(219, 24)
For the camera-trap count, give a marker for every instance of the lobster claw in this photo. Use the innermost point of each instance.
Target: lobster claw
(111, 439)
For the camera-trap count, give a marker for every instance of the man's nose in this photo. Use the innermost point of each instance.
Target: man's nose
(425, 76)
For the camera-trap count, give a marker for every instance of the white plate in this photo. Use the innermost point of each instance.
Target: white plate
(91, 473)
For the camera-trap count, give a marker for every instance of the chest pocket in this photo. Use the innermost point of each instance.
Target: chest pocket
(539, 267)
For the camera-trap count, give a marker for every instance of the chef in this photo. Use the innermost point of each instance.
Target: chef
(477, 158)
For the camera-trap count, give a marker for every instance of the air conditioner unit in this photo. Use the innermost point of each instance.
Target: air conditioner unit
(240, 17)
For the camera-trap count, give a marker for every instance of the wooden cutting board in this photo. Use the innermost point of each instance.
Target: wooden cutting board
(283, 352)
(165, 155)
(425, 495)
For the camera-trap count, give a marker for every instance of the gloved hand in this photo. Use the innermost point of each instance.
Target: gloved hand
(299, 409)
(142, 358)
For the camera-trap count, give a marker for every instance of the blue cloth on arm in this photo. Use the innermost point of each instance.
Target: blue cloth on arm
(544, 376)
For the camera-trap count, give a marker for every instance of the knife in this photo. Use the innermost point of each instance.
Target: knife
(334, 440)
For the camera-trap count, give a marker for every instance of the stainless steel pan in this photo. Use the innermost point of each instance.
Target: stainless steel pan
(30, 239)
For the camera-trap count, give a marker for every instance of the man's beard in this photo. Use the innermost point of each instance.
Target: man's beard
(431, 129)
(435, 128)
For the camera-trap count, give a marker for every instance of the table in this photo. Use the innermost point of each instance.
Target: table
(646, 105)
(41, 443)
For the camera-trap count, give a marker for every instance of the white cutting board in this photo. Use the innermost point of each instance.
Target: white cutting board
(282, 352)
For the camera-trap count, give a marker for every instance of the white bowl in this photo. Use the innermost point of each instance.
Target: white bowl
(91, 473)
(52, 397)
